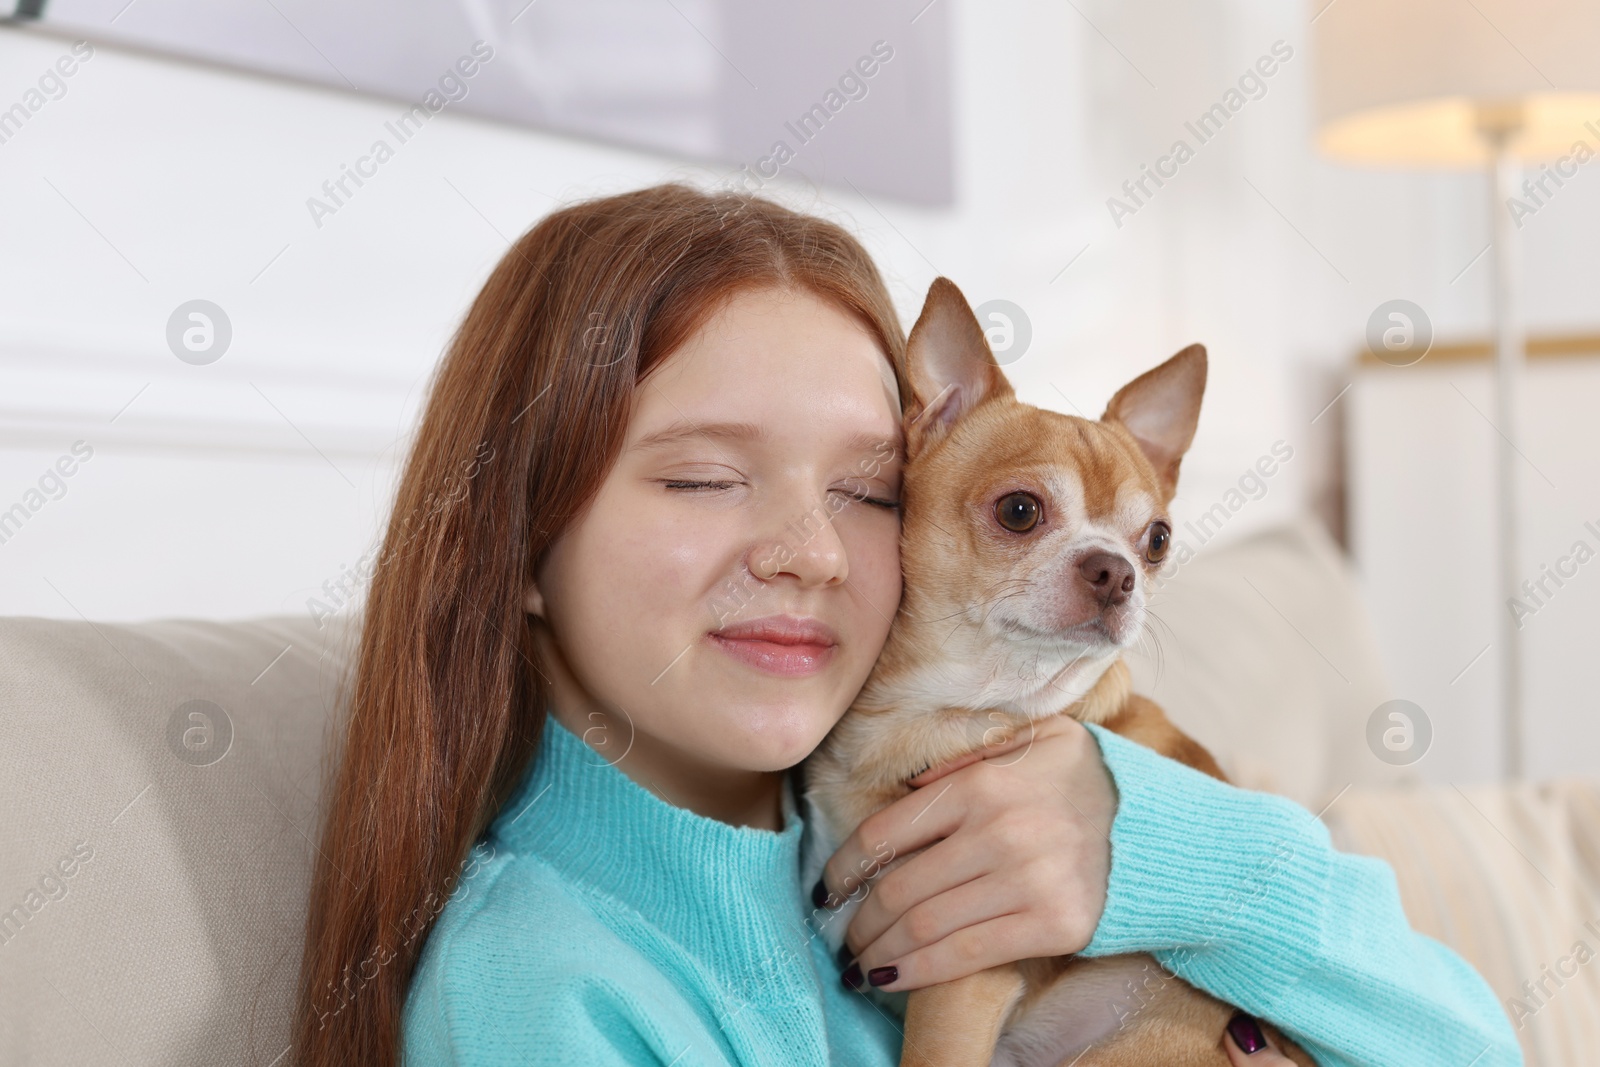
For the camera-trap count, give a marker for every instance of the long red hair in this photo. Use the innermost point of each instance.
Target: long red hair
(526, 415)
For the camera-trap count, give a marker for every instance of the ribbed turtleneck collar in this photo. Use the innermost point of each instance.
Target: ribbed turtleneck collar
(721, 891)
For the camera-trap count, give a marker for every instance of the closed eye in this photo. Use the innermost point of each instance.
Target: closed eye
(699, 485)
(880, 502)
(887, 505)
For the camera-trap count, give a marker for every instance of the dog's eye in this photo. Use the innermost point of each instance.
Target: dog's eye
(1160, 538)
(1018, 512)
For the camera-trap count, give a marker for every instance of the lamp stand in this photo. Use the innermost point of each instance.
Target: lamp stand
(1506, 172)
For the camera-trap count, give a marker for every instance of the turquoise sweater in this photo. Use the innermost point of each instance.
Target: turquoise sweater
(595, 923)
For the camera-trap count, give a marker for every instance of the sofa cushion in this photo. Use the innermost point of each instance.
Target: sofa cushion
(157, 795)
(1261, 650)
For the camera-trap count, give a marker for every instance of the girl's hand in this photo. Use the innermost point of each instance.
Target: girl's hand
(1015, 866)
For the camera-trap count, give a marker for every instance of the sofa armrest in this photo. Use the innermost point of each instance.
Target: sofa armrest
(1508, 877)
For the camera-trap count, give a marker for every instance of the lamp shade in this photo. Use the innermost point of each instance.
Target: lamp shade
(1418, 81)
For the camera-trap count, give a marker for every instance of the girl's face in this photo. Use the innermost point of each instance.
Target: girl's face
(724, 598)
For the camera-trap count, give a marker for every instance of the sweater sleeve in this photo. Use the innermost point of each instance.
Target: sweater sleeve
(1242, 894)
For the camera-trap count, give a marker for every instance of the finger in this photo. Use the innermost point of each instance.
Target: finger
(912, 884)
(914, 821)
(965, 951)
(933, 919)
(926, 815)
(1000, 741)
(1247, 1045)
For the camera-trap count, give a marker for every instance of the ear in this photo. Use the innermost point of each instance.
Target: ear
(1161, 408)
(533, 600)
(951, 366)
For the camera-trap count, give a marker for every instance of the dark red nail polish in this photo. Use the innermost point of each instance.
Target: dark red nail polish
(852, 977)
(1246, 1032)
(883, 975)
(819, 894)
(844, 955)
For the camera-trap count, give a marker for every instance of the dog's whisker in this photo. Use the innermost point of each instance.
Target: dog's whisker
(997, 601)
(982, 601)
(965, 608)
(1158, 648)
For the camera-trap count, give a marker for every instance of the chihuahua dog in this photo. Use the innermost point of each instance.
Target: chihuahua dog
(1028, 542)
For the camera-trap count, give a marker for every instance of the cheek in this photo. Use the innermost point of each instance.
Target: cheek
(677, 564)
(873, 549)
(682, 555)
(637, 573)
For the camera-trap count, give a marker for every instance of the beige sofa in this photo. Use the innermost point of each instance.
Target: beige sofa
(159, 785)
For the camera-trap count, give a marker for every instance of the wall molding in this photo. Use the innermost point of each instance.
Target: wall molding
(52, 394)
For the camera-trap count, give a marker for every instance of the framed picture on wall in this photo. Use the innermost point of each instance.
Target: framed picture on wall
(849, 95)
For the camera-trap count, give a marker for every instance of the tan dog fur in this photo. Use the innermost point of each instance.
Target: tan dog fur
(996, 629)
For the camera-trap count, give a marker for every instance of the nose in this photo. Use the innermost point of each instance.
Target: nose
(809, 548)
(1109, 575)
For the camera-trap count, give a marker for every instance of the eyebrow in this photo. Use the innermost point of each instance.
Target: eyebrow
(683, 430)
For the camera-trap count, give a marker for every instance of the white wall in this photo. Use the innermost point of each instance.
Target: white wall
(153, 182)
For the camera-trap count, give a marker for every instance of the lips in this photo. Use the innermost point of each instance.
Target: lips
(785, 645)
(781, 630)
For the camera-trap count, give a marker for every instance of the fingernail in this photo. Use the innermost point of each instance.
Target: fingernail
(819, 894)
(883, 975)
(852, 977)
(1246, 1032)
(844, 956)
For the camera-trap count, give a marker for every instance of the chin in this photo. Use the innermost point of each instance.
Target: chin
(775, 737)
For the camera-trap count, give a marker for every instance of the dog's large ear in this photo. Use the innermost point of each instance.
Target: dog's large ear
(1161, 408)
(952, 369)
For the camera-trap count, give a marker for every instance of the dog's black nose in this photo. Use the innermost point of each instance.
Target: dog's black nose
(1109, 575)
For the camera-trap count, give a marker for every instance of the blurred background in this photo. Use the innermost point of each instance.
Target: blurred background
(220, 298)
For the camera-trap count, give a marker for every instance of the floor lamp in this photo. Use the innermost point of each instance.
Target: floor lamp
(1471, 83)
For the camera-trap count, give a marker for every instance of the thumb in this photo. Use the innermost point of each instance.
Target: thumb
(1247, 1046)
